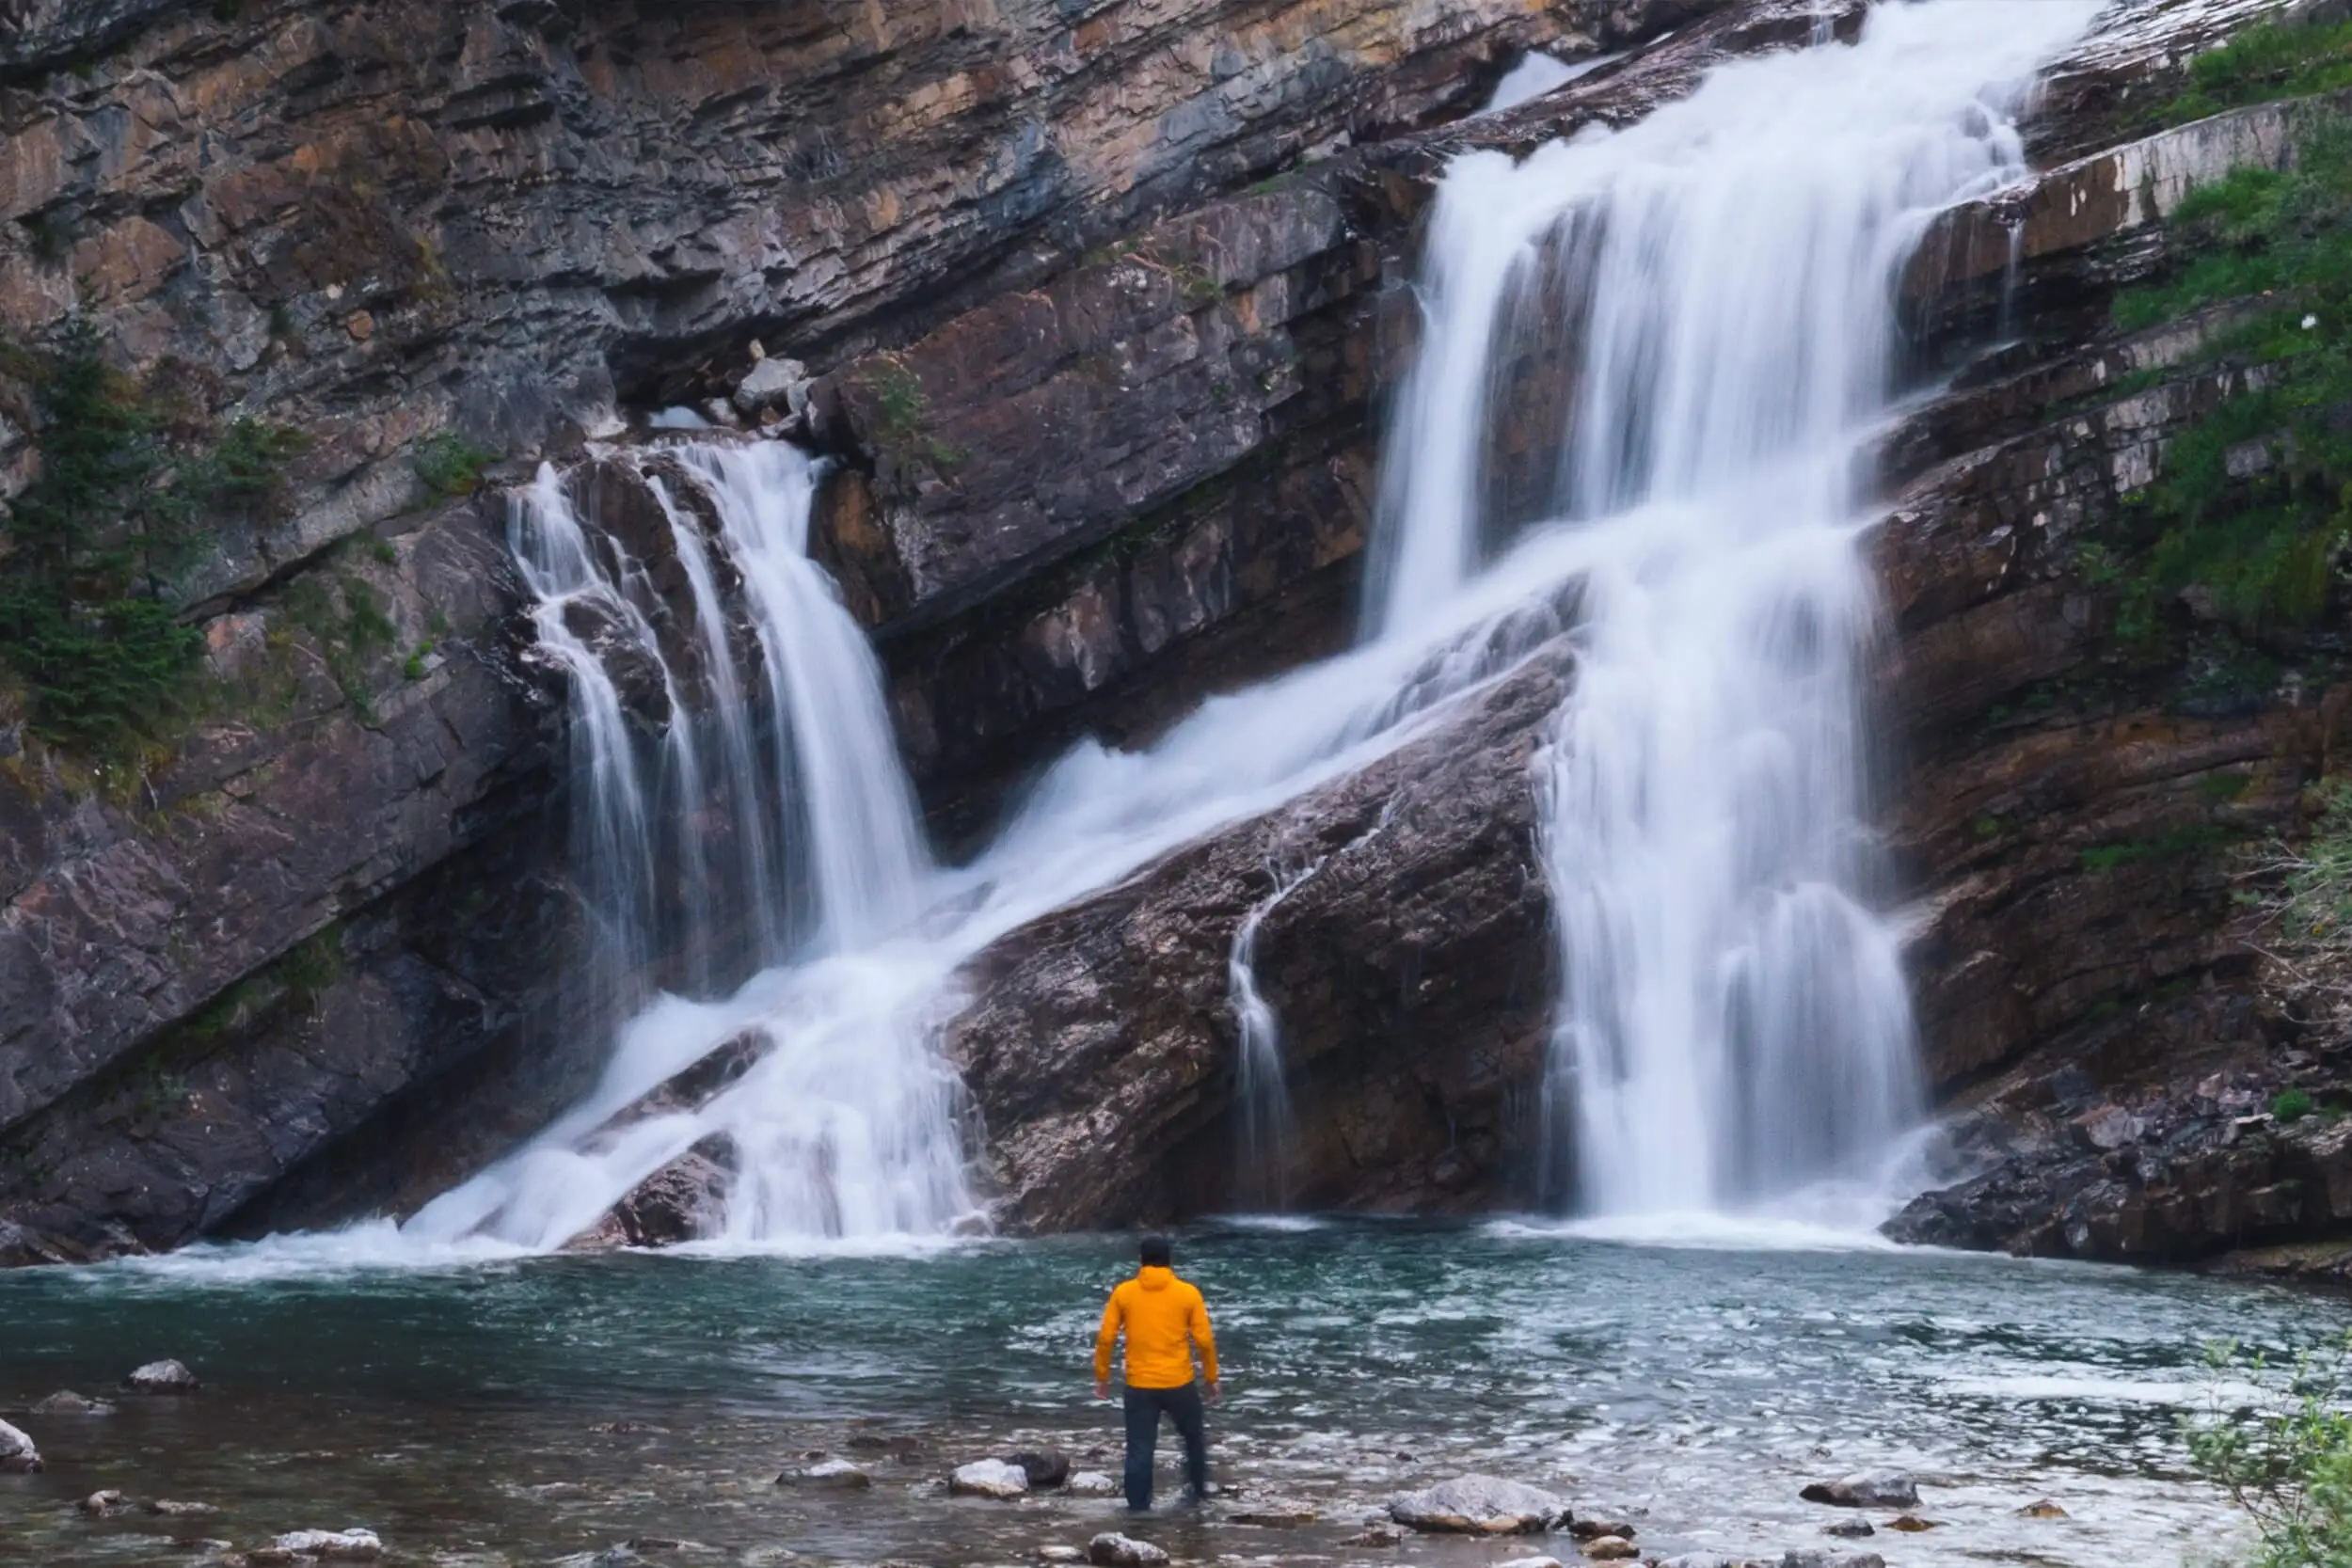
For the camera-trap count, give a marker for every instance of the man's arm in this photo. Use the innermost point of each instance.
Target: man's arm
(1204, 1337)
(1105, 1338)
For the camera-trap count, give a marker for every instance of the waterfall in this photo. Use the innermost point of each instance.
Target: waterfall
(1267, 1154)
(1734, 1019)
(1692, 316)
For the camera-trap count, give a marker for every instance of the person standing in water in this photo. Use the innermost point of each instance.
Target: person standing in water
(1165, 1320)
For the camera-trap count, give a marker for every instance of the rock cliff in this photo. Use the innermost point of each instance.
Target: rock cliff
(1097, 302)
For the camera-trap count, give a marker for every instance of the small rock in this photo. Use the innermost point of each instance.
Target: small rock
(162, 1377)
(166, 1507)
(1044, 1470)
(1114, 1550)
(65, 1402)
(361, 327)
(1376, 1535)
(1866, 1489)
(1911, 1523)
(1611, 1548)
(2042, 1508)
(1060, 1554)
(1479, 1505)
(332, 1546)
(1850, 1528)
(1530, 1562)
(866, 1442)
(1277, 1513)
(987, 1477)
(1814, 1556)
(1092, 1483)
(1593, 1529)
(838, 1474)
(102, 1505)
(18, 1456)
(773, 383)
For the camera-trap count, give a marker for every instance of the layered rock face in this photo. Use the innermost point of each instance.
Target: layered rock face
(1098, 301)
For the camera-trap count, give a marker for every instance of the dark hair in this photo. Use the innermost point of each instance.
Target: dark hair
(1157, 1253)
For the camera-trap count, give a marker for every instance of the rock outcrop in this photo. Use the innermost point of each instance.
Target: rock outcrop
(1411, 969)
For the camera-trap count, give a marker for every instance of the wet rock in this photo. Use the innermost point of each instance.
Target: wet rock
(1852, 1529)
(837, 1474)
(1114, 1550)
(162, 1377)
(104, 1505)
(1866, 1489)
(1376, 1535)
(1590, 1528)
(1910, 1524)
(1530, 1562)
(867, 1442)
(332, 1546)
(1046, 1470)
(1480, 1505)
(1611, 1548)
(1060, 1554)
(17, 1454)
(682, 1201)
(1816, 1556)
(65, 1402)
(2042, 1508)
(989, 1478)
(1275, 1514)
(166, 1507)
(1092, 1483)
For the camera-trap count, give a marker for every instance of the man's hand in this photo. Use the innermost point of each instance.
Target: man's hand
(1216, 1392)
(1101, 1389)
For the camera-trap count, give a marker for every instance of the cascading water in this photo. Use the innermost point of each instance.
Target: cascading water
(1734, 1019)
(1268, 1125)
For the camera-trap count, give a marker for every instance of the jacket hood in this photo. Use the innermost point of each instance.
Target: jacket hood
(1151, 1277)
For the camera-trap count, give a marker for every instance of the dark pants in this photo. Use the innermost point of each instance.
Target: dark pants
(1145, 1406)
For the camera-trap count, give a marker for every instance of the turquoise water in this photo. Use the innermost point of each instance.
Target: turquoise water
(517, 1412)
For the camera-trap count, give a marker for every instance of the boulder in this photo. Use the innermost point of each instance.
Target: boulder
(1480, 1505)
(104, 1505)
(1866, 1489)
(332, 1546)
(1046, 1470)
(989, 1478)
(65, 1402)
(1092, 1483)
(774, 384)
(17, 1454)
(163, 1377)
(1114, 1550)
(837, 1474)
(680, 1202)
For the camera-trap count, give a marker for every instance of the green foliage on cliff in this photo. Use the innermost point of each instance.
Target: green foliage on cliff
(2263, 63)
(2285, 1457)
(88, 547)
(2254, 509)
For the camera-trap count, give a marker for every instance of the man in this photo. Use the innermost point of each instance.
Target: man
(1164, 1319)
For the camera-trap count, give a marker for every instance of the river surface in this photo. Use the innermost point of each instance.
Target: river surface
(527, 1411)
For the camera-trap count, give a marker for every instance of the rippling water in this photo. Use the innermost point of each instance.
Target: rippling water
(467, 1414)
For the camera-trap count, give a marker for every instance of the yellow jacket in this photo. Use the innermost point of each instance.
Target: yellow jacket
(1163, 1318)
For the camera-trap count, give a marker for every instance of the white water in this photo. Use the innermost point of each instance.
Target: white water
(1267, 1154)
(1734, 1021)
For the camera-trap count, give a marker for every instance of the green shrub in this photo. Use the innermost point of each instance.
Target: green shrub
(2285, 1460)
(452, 466)
(2265, 63)
(2291, 1105)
